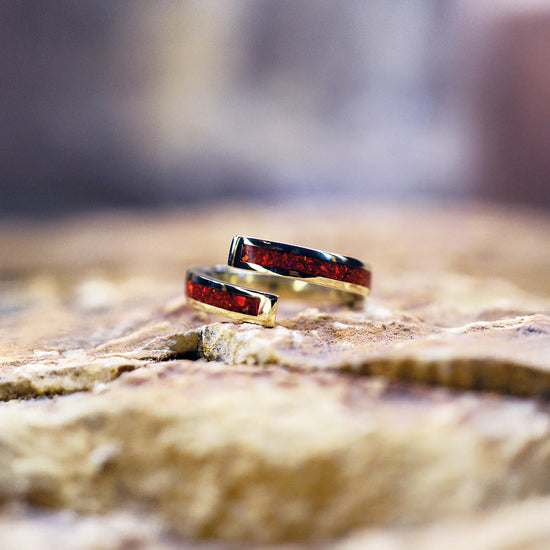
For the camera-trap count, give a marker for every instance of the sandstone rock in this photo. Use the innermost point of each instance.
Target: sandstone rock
(270, 454)
(523, 525)
(26, 527)
(422, 409)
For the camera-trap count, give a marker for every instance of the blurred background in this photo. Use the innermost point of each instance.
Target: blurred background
(151, 104)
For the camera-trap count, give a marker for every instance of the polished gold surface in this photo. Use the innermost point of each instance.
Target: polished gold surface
(266, 318)
(288, 287)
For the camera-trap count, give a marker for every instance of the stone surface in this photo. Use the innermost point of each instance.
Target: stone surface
(270, 454)
(25, 527)
(521, 526)
(136, 415)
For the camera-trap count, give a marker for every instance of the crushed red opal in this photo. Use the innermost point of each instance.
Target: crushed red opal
(224, 299)
(305, 265)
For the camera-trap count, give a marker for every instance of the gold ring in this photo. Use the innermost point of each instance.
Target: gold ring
(297, 262)
(260, 271)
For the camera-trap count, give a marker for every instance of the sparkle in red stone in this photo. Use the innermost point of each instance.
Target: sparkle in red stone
(305, 265)
(224, 299)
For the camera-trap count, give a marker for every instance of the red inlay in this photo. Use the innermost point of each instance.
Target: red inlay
(305, 265)
(224, 299)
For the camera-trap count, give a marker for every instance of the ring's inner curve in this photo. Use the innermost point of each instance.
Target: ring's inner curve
(284, 287)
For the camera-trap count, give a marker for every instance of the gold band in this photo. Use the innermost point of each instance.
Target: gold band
(216, 289)
(251, 296)
(289, 261)
(260, 271)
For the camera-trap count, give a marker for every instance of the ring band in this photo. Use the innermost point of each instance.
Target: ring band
(216, 290)
(253, 295)
(297, 262)
(227, 291)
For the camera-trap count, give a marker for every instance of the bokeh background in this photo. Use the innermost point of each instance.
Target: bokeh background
(151, 104)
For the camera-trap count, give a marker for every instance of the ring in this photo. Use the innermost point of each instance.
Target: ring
(297, 262)
(253, 295)
(218, 289)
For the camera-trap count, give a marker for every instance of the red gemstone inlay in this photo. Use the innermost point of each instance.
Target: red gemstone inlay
(224, 299)
(305, 265)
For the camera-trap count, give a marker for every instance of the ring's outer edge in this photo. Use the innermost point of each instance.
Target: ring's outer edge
(234, 260)
(268, 302)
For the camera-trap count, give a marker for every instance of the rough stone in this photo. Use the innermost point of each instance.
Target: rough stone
(422, 413)
(271, 454)
(524, 525)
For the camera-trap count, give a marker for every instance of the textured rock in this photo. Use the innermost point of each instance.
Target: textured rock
(332, 421)
(523, 525)
(270, 454)
(25, 527)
